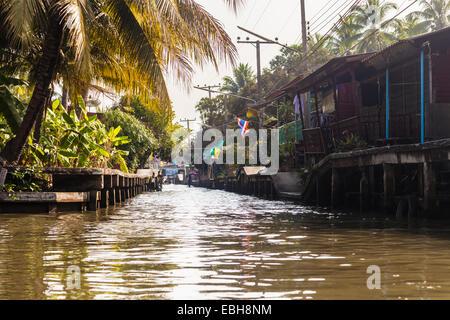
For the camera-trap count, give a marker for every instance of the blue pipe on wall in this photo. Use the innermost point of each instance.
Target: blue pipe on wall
(387, 103)
(422, 98)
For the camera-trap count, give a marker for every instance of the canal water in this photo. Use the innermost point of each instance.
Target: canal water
(206, 244)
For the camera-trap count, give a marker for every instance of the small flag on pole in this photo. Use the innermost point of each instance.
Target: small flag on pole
(243, 125)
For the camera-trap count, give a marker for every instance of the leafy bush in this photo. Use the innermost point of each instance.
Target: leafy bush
(350, 142)
(26, 180)
(142, 140)
(70, 141)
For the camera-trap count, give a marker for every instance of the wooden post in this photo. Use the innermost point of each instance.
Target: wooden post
(336, 184)
(104, 200)
(272, 195)
(429, 186)
(389, 185)
(118, 194)
(112, 197)
(363, 191)
(52, 208)
(317, 191)
(372, 186)
(93, 197)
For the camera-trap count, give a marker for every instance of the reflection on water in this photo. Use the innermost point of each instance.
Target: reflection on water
(205, 244)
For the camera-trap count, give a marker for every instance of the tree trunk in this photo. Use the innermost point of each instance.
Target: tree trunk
(40, 118)
(45, 74)
(65, 97)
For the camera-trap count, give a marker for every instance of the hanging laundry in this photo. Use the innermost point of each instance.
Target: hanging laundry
(297, 104)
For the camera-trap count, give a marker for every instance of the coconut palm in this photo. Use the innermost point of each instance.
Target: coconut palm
(371, 17)
(410, 26)
(435, 13)
(345, 37)
(242, 76)
(136, 43)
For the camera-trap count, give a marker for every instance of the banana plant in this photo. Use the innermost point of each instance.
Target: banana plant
(10, 106)
(72, 141)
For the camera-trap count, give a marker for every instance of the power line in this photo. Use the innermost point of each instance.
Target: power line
(262, 14)
(318, 15)
(289, 18)
(375, 31)
(335, 26)
(345, 53)
(319, 21)
(251, 11)
(321, 41)
(329, 18)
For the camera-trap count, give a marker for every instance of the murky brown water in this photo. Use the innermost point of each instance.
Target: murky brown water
(203, 244)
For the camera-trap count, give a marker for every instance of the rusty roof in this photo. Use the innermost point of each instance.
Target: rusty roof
(405, 48)
(324, 71)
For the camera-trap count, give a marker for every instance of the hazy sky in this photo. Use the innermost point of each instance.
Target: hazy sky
(270, 18)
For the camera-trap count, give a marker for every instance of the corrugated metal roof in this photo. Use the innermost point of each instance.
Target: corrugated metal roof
(317, 75)
(403, 48)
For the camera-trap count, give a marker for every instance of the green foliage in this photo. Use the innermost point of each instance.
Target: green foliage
(27, 180)
(303, 174)
(242, 76)
(211, 111)
(10, 107)
(350, 142)
(159, 123)
(142, 141)
(70, 141)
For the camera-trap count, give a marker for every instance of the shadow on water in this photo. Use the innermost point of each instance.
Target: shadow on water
(206, 244)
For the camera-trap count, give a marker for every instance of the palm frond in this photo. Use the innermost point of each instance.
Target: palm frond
(20, 17)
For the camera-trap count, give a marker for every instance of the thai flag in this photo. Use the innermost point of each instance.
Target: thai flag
(243, 125)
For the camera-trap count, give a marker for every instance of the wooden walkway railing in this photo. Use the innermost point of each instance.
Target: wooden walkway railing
(79, 189)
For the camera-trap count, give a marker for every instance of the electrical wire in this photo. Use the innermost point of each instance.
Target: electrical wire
(262, 14)
(322, 39)
(251, 11)
(315, 18)
(329, 18)
(359, 42)
(375, 31)
(289, 18)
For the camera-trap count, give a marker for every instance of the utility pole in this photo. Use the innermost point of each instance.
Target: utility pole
(304, 35)
(257, 44)
(225, 94)
(188, 121)
(208, 88)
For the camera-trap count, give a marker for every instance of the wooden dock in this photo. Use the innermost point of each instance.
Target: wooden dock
(80, 189)
(403, 179)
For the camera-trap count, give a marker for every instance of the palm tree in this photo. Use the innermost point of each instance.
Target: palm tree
(344, 40)
(410, 26)
(371, 18)
(435, 13)
(146, 38)
(242, 75)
